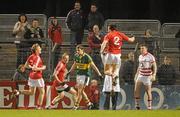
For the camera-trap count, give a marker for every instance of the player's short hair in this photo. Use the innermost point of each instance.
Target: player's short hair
(65, 54)
(79, 46)
(143, 45)
(112, 27)
(34, 47)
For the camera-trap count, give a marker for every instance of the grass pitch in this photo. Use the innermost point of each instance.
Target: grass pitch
(89, 113)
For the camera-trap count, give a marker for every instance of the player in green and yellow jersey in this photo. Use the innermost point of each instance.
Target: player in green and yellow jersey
(82, 64)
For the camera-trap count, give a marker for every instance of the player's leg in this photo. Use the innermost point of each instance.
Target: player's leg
(149, 92)
(114, 100)
(107, 101)
(87, 101)
(79, 95)
(115, 84)
(137, 90)
(57, 98)
(74, 93)
(107, 88)
(40, 97)
(31, 91)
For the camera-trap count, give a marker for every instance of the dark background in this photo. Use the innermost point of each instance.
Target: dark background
(163, 10)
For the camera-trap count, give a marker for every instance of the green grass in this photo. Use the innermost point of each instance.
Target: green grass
(89, 113)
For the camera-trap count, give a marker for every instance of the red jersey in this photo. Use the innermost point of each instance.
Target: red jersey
(55, 34)
(60, 69)
(35, 60)
(115, 39)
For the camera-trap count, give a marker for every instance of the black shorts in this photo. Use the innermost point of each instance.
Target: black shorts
(59, 90)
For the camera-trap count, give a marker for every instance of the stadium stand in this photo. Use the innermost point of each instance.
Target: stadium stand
(164, 34)
(8, 43)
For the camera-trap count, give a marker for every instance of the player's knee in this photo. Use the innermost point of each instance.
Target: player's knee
(31, 93)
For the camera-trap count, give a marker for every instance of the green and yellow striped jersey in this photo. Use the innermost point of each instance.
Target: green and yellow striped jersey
(83, 64)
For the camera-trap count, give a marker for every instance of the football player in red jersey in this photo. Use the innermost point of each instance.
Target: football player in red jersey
(114, 40)
(35, 63)
(59, 74)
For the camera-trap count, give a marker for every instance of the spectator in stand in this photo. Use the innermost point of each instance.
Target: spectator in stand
(95, 40)
(34, 31)
(94, 94)
(149, 41)
(75, 22)
(21, 26)
(95, 18)
(166, 73)
(128, 70)
(18, 32)
(55, 35)
(32, 35)
(178, 36)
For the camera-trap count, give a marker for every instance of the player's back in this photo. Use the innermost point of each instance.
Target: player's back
(115, 39)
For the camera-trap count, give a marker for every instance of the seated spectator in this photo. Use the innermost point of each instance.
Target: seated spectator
(20, 73)
(128, 71)
(55, 34)
(94, 93)
(166, 73)
(95, 39)
(21, 26)
(34, 31)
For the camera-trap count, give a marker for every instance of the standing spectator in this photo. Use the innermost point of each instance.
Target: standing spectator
(146, 73)
(82, 64)
(95, 40)
(35, 63)
(127, 70)
(19, 30)
(95, 18)
(55, 35)
(34, 31)
(75, 22)
(112, 62)
(166, 73)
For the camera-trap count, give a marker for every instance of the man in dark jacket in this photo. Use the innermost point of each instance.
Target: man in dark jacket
(166, 73)
(95, 18)
(75, 22)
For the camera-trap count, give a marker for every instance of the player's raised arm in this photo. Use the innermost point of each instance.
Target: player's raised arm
(131, 39)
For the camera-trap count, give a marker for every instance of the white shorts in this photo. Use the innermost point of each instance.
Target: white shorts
(36, 83)
(113, 58)
(107, 87)
(146, 80)
(82, 80)
(104, 58)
